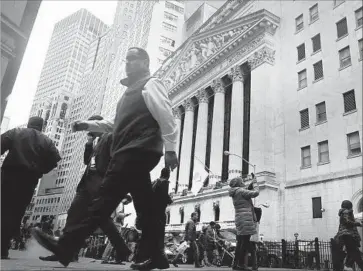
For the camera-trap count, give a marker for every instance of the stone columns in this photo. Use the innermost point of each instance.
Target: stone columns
(202, 124)
(236, 130)
(186, 147)
(173, 174)
(216, 155)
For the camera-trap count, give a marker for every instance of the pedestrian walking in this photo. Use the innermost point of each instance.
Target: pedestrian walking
(211, 242)
(31, 154)
(191, 238)
(143, 125)
(119, 218)
(96, 157)
(245, 218)
(348, 236)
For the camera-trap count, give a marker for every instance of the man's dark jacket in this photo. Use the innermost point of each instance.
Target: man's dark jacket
(102, 154)
(190, 231)
(29, 150)
(161, 195)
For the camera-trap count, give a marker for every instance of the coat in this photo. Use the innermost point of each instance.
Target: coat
(245, 218)
(347, 226)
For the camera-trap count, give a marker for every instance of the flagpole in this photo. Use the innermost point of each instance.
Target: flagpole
(203, 164)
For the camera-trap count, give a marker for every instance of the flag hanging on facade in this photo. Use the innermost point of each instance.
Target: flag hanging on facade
(199, 176)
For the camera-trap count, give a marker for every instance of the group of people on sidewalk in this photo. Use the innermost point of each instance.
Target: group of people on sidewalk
(119, 158)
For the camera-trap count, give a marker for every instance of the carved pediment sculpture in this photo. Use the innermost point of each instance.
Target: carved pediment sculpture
(206, 48)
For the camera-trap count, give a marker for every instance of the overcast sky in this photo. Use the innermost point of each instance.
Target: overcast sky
(50, 12)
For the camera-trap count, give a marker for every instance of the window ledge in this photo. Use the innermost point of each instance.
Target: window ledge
(323, 163)
(305, 167)
(335, 6)
(301, 60)
(317, 80)
(298, 31)
(359, 27)
(313, 21)
(318, 51)
(349, 112)
(305, 128)
(342, 68)
(342, 37)
(321, 122)
(360, 59)
(300, 88)
(354, 156)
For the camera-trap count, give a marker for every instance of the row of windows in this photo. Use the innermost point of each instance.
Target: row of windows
(45, 209)
(344, 61)
(353, 145)
(168, 41)
(321, 116)
(169, 27)
(49, 200)
(170, 17)
(174, 7)
(342, 26)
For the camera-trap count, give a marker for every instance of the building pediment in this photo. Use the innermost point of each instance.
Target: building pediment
(206, 48)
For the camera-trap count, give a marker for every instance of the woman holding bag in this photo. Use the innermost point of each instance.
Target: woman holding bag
(245, 218)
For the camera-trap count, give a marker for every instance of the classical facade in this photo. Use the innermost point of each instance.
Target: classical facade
(245, 83)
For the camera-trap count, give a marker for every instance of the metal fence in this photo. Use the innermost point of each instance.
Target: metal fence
(298, 254)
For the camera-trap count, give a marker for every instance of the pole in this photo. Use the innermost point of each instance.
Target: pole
(203, 164)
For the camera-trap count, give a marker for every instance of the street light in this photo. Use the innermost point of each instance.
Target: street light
(227, 153)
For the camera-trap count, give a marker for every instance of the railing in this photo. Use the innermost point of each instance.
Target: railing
(298, 254)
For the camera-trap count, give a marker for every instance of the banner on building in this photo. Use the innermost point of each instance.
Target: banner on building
(199, 176)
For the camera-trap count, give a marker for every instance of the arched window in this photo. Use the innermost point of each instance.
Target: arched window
(168, 217)
(216, 210)
(197, 210)
(181, 212)
(360, 206)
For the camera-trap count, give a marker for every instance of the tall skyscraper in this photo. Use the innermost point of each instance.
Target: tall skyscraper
(86, 103)
(155, 26)
(63, 69)
(73, 50)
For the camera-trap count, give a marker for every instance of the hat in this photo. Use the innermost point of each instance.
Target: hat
(236, 182)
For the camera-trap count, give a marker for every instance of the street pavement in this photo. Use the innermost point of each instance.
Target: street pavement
(28, 260)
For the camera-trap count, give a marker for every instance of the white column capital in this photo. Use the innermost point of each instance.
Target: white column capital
(188, 105)
(202, 96)
(217, 86)
(236, 74)
(177, 113)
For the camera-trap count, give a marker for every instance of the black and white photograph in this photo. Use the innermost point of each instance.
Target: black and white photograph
(181, 135)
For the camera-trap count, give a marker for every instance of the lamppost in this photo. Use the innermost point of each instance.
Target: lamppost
(227, 153)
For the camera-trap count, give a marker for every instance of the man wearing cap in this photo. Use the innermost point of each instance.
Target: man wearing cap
(31, 154)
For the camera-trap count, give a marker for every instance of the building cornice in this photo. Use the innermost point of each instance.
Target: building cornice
(330, 177)
(221, 192)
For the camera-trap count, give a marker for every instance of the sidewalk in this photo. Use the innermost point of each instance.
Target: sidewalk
(28, 260)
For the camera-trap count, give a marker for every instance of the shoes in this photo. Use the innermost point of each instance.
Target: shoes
(49, 243)
(175, 264)
(5, 257)
(51, 258)
(150, 264)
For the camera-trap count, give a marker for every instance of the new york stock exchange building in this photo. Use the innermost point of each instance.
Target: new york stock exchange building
(279, 84)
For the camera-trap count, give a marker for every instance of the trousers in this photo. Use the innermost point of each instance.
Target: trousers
(129, 172)
(17, 188)
(78, 211)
